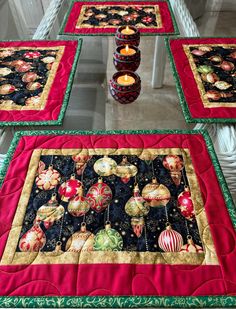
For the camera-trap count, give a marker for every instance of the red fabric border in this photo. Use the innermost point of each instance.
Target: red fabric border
(189, 86)
(122, 279)
(56, 94)
(75, 11)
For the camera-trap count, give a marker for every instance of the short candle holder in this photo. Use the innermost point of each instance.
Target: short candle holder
(125, 86)
(126, 58)
(127, 35)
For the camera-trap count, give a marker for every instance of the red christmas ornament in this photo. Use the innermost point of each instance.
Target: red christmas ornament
(23, 68)
(69, 188)
(191, 246)
(185, 204)
(32, 55)
(169, 240)
(33, 240)
(174, 164)
(99, 196)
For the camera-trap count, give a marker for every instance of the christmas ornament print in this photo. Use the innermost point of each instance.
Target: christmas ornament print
(148, 157)
(81, 161)
(191, 246)
(156, 194)
(105, 166)
(50, 212)
(81, 241)
(125, 170)
(48, 179)
(175, 165)
(78, 205)
(32, 55)
(29, 77)
(185, 204)
(99, 196)
(170, 240)
(33, 240)
(7, 89)
(5, 71)
(108, 239)
(69, 188)
(137, 207)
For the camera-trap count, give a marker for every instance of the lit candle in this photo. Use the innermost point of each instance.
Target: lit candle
(127, 30)
(125, 80)
(127, 51)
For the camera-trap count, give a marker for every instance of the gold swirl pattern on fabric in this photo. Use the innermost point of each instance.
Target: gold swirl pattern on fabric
(47, 87)
(208, 257)
(197, 76)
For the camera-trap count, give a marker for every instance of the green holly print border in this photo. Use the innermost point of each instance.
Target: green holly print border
(124, 301)
(65, 102)
(187, 115)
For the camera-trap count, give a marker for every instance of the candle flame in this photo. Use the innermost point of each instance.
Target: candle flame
(127, 28)
(126, 77)
(127, 48)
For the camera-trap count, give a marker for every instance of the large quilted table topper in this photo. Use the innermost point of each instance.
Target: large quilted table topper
(205, 74)
(144, 217)
(35, 81)
(103, 18)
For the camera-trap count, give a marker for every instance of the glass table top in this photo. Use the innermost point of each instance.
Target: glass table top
(90, 106)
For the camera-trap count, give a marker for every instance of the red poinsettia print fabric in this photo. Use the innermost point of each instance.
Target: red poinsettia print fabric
(207, 68)
(30, 73)
(105, 17)
(55, 240)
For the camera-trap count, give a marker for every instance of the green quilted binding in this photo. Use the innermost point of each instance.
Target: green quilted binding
(119, 302)
(61, 31)
(183, 103)
(65, 102)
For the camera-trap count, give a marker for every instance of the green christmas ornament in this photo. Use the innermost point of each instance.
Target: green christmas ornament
(205, 69)
(108, 239)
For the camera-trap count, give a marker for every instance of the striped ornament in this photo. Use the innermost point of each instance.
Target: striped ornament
(170, 240)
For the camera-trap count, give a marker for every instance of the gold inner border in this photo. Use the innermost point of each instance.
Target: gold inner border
(198, 79)
(82, 17)
(47, 86)
(208, 257)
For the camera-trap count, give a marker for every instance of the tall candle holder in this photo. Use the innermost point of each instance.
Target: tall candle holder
(125, 86)
(127, 35)
(126, 58)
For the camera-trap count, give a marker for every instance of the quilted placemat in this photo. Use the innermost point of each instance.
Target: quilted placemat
(35, 81)
(205, 74)
(103, 18)
(107, 219)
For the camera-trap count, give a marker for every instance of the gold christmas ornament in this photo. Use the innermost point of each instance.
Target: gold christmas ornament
(105, 166)
(156, 194)
(78, 205)
(81, 241)
(125, 170)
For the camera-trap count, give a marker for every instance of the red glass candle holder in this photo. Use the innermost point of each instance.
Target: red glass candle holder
(127, 39)
(124, 92)
(125, 61)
